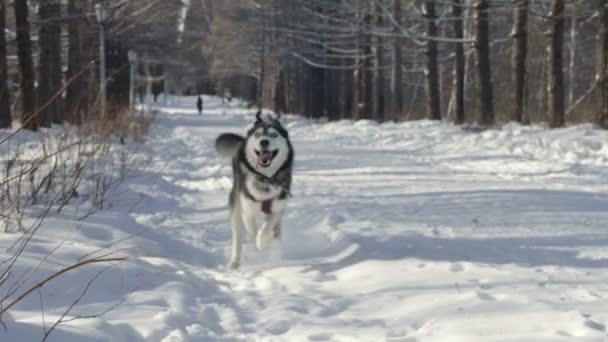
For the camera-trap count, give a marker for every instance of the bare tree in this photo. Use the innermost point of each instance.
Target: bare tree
(431, 72)
(518, 57)
(49, 67)
(26, 65)
(75, 92)
(397, 72)
(368, 109)
(485, 97)
(359, 72)
(379, 84)
(5, 106)
(602, 70)
(556, 74)
(459, 62)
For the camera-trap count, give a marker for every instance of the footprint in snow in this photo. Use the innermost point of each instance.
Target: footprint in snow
(278, 328)
(595, 325)
(486, 297)
(456, 268)
(320, 337)
(485, 286)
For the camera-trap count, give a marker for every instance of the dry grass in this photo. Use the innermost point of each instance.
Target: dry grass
(43, 172)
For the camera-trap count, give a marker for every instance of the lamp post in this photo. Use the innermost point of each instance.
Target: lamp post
(102, 12)
(133, 62)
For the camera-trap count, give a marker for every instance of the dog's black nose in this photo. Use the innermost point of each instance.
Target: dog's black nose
(264, 143)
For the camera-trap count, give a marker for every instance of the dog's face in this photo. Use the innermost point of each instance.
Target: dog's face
(267, 147)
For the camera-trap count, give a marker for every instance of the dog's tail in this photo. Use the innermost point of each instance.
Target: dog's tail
(228, 143)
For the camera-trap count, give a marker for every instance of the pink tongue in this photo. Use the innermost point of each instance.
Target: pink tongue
(264, 158)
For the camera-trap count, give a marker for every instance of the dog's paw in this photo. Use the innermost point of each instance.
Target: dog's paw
(277, 232)
(234, 264)
(264, 238)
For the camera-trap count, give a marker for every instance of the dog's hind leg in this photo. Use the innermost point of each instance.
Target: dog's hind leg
(237, 225)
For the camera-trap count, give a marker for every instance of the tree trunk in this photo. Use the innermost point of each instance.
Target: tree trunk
(343, 91)
(348, 101)
(368, 110)
(317, 82)
(397, 73)
(431, 73)
(46, 66)
(572, 59)
(459, 63)
(44, 88)
(74, 92)
(602, 72)
(5, 105)
(359, 72)
(26, 65)
(380, 98)
(56, 69)
(485, 96)
(518, 58)
(556, 76)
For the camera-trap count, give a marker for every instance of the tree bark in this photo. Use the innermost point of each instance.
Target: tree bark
(359, 72)
(572, 46)
(368, 110)
(317, 83)
(380, 98)
(518, 57)
(602, 72)
(5, 105)
(397, 73)
(75, 90)
(44, 88)
(556, 75)
(49, 77)
(431, 72)
(57, 115)
(485, 96)
(459, 63)
(26, 65)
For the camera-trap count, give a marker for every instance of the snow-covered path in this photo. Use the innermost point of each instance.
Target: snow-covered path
(397, 232)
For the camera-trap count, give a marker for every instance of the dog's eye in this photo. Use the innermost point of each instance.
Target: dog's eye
(273, 135)
(258, 135)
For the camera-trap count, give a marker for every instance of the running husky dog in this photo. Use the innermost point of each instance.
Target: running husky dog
(261, 166)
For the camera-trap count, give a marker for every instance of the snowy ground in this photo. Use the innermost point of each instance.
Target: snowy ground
(409, 232)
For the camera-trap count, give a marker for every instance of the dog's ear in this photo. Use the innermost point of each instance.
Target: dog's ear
(258, 117)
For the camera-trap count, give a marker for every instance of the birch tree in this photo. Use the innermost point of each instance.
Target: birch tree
(26, 65)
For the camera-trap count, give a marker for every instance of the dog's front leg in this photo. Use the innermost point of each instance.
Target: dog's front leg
(249, 209)
(250, 226)
(267, 231)
(237, 225)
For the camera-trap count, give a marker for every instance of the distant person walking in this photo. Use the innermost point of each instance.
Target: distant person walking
(199, 105)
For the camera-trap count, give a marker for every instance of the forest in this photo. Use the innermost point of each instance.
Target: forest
(464, 61)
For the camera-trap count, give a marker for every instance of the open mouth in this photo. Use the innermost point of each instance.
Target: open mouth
(265, 157)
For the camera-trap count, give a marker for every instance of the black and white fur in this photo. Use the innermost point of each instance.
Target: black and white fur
(262, 164)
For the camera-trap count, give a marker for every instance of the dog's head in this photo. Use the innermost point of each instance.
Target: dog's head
(267, 147)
